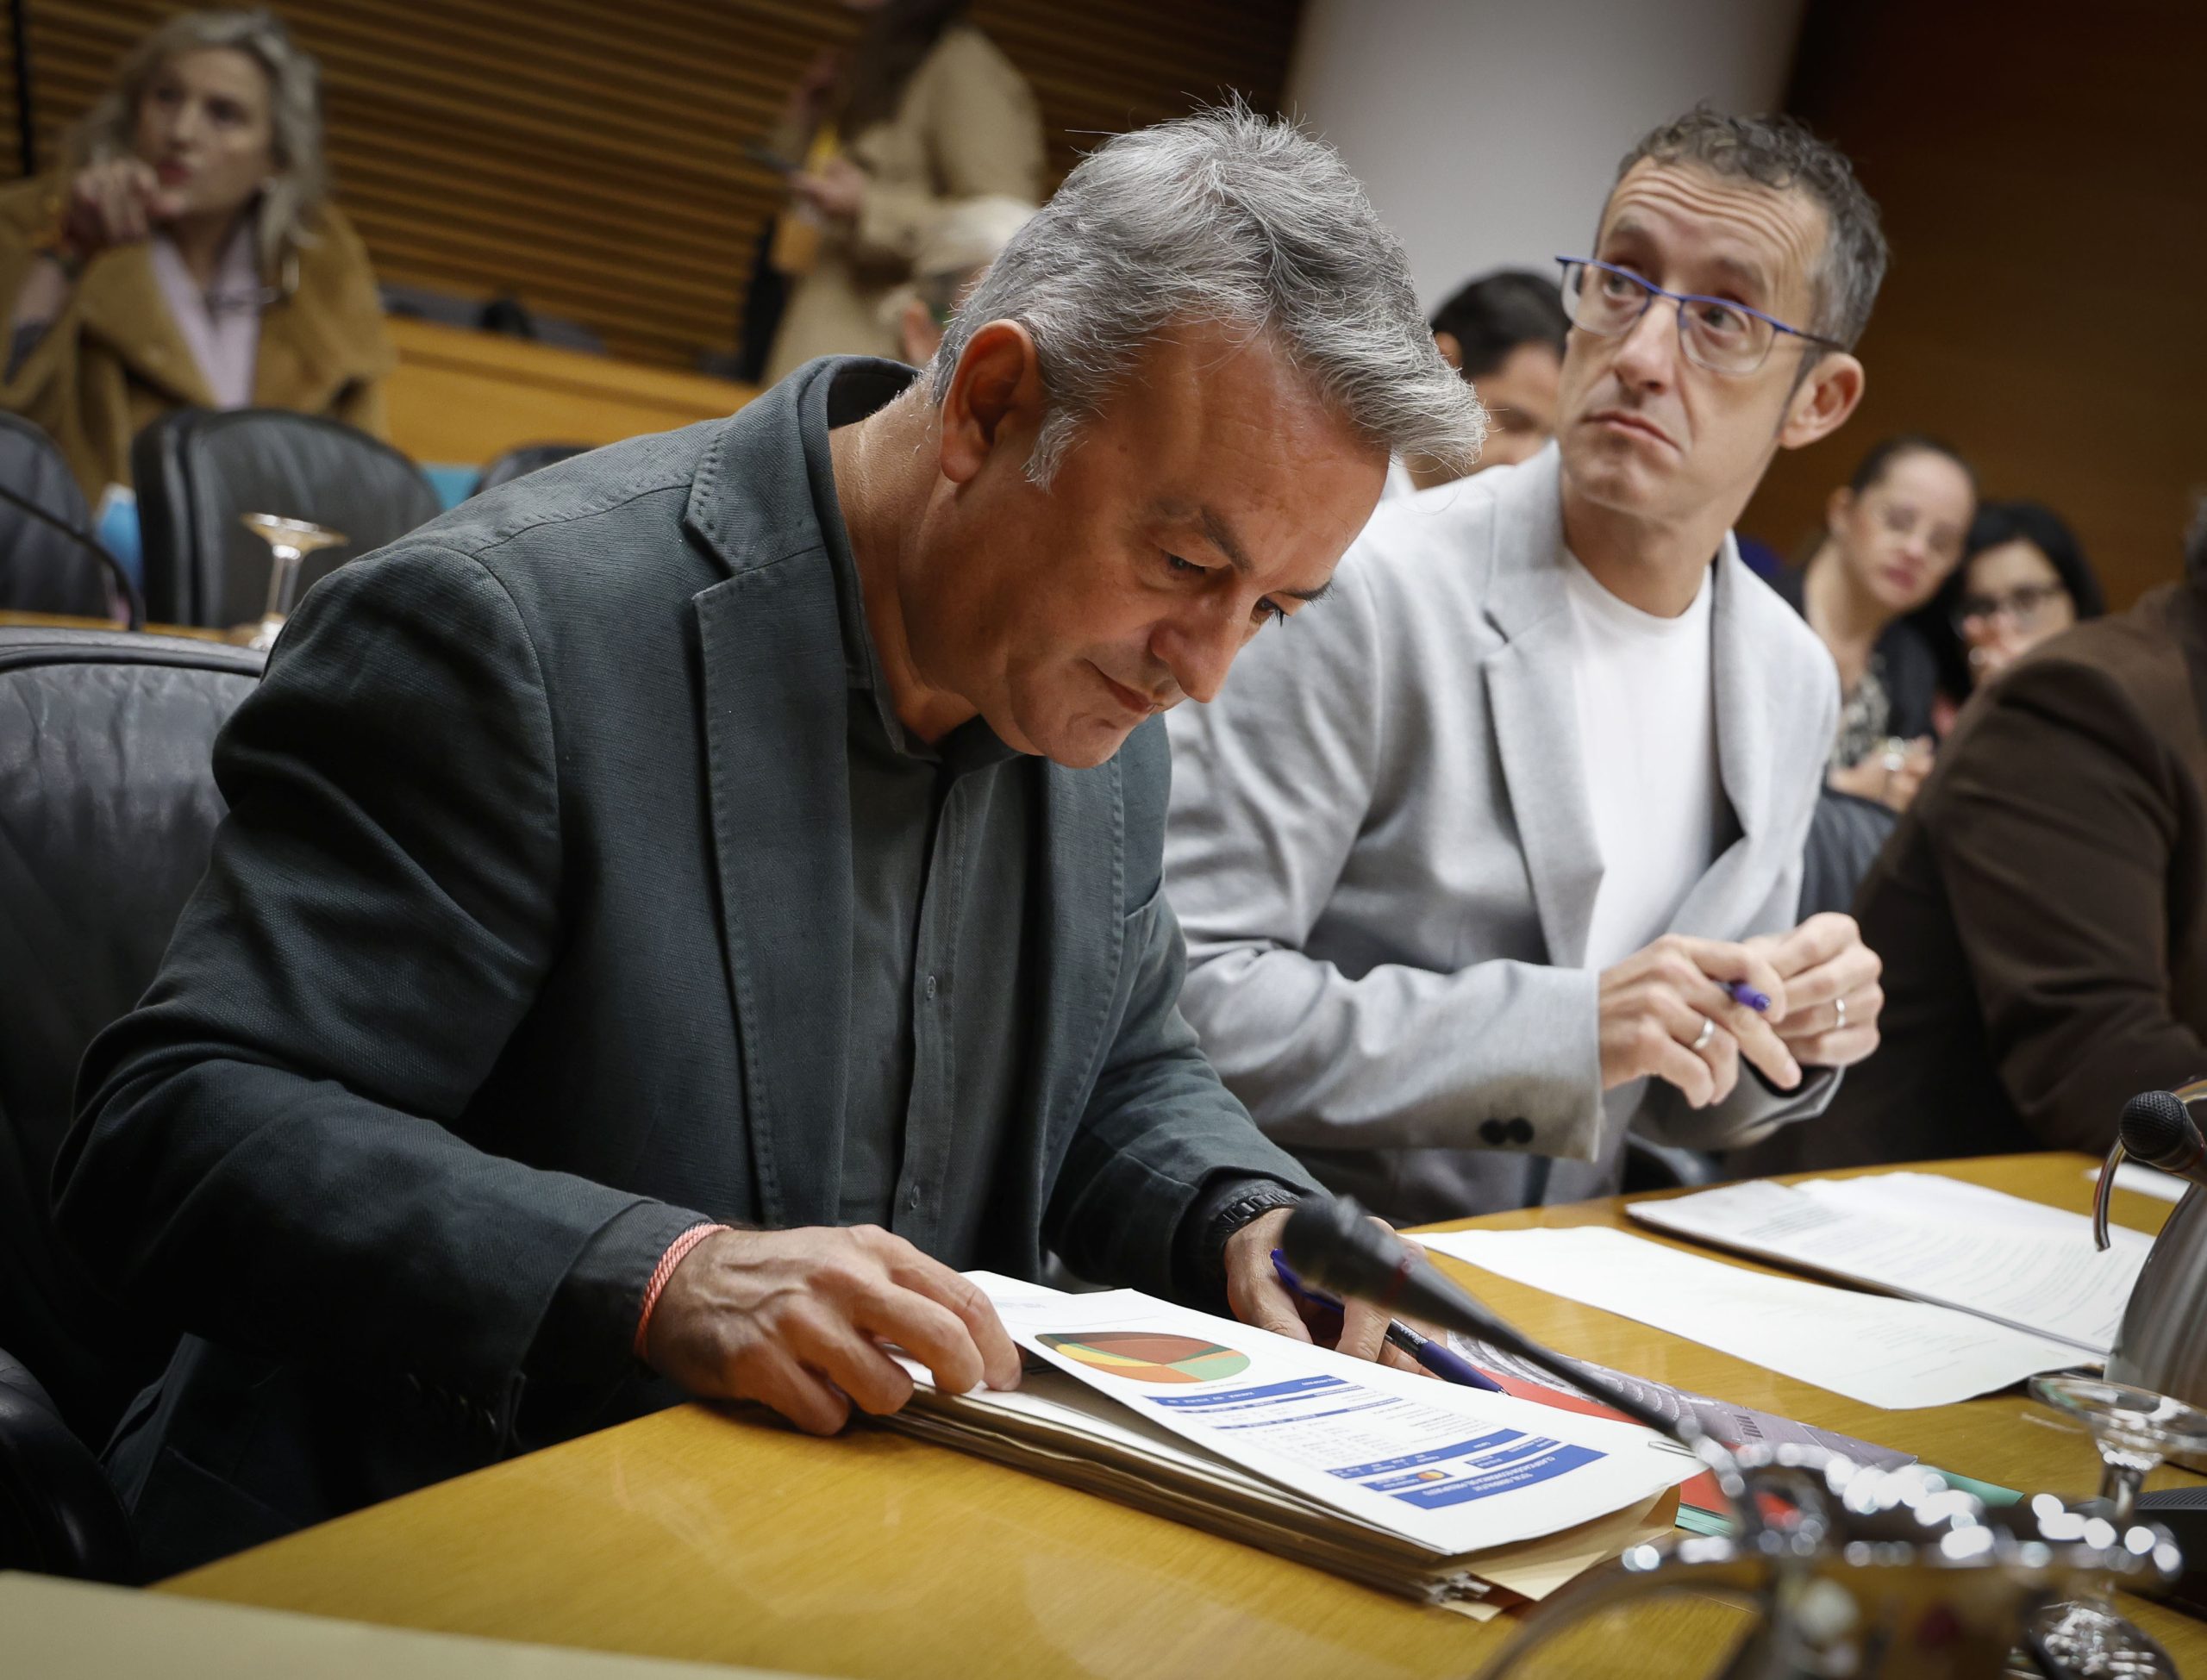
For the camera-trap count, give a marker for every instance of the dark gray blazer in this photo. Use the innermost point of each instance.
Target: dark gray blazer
(533, 906)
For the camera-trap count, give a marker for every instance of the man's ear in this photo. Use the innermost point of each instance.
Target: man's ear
(1451, 348)
(995, 401)
(1823, 402)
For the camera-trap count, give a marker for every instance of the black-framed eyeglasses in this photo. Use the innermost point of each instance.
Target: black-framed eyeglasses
(2025, 608)
(1715, 332)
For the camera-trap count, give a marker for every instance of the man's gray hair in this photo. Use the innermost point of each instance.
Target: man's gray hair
(1781, 151)
(1226, 219)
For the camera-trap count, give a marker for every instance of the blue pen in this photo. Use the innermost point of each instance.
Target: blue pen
(1442, 1362)
(1743, 993)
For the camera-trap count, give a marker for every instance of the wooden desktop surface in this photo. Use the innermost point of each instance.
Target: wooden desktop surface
(719, 1536)
(60, 621)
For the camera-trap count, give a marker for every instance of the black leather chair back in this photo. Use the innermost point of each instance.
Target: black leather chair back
(198, 471)
(40, 570)
(519, 462)
(106, 809)
(57, 1513)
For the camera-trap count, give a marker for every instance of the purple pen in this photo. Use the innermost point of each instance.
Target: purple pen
(1443, 1362)
(1743, 993)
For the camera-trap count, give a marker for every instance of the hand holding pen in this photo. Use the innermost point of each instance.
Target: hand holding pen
(1689, 1012)
(1436, 1356)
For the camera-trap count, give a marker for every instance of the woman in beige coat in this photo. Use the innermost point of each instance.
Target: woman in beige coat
(184, 257)
(929, 112)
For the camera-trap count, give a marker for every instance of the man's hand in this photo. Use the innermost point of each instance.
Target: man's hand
(1824, 964)
(1256, 1294)
(795, 1319)
(1656, 1004)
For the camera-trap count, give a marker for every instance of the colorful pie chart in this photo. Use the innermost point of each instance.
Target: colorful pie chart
(1147, 1356)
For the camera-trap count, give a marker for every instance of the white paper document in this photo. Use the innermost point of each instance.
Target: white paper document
(2146, 1180)
(1452, 1470)
(2020, 1263)
(1882, 1351)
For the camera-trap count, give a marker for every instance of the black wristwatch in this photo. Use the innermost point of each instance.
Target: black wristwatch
(1258, 1200)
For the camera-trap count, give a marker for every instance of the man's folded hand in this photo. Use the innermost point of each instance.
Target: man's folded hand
(795, 1320)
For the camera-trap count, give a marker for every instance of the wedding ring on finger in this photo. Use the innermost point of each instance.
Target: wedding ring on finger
(1838, 1004)
(1708, 1032)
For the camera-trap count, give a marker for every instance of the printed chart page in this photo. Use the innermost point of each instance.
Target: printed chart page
(1452, 1470)
(1930, 1239)
(1895, 1354)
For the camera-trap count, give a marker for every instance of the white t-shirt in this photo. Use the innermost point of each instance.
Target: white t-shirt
(1647, 728)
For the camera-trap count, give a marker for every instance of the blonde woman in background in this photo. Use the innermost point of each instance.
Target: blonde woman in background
(185, 255)
(925, 111)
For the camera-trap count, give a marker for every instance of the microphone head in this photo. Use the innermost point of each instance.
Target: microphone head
(2158, 1129)
(1334, 1244)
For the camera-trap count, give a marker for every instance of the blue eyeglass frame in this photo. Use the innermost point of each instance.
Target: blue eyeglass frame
(1654, 291)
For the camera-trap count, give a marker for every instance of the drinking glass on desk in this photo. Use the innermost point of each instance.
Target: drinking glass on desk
(290, 541)
(2134, 1429)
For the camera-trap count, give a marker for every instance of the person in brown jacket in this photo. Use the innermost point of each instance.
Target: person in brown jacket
(926, 112)
(185, 257)
(2042, 907)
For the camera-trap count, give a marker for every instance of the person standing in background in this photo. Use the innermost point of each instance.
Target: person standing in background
(187, 256)
(925, 110)
(1503, 331)
(1893, 534)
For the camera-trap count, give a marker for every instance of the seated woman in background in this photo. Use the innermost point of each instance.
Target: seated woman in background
(1891, 537)
(184, 257)
(2039, 908)
(925, 111)
(2023, 578)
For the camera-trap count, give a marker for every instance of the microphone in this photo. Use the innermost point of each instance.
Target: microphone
(1332, 1243)
(2158, 1129)
(134, 602)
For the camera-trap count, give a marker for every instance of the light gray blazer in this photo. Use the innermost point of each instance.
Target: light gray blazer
(1381, 851)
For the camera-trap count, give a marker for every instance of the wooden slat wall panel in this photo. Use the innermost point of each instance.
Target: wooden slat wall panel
(12, 159)
(588, 156)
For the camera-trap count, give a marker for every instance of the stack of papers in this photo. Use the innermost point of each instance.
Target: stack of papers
(1895, 1354)
(1451, 1495)
(2018, 1263)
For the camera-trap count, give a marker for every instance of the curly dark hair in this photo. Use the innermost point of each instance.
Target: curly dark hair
(1781, 151)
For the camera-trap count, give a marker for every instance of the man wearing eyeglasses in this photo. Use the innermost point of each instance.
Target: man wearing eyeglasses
(1494, 860)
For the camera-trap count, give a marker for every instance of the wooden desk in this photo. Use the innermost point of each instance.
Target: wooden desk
(699, 1534)
(467, 398)
(58, 621)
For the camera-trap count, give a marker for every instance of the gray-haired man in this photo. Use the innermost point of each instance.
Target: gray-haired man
(1469, 861)
(755, 826)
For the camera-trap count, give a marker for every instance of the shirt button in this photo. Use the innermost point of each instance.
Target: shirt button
(930, 988)
(912, 1196)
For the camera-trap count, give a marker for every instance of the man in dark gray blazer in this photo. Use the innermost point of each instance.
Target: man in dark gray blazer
(675, 910)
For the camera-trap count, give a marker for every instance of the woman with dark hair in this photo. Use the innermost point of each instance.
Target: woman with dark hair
(924, 112)
(2023, 578)
(187, 254)
(1892, 536)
